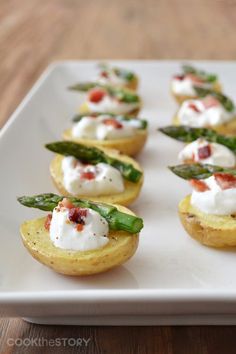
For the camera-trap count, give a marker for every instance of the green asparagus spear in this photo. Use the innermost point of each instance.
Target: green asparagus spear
(197, 171)
(142, 122)
(188, 69)
(189, 134)
(121, 94)
(116, 219)
(94, 156)
(226, 102)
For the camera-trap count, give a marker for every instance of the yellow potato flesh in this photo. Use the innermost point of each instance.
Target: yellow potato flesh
(130, 193)
(211, 230)
(121, 246)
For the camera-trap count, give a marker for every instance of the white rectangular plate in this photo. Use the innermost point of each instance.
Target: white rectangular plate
(171, 279)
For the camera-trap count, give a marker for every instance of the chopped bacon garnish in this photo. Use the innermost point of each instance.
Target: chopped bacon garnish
(195, 79)
(79, 227)
(225, 180)
(194, 107)
(96, 95)
(179, 77)
(114, 123)
(204, 152)
(104, 74)
(76, 215)
(210, 101)
(47, 222)
(199, 186)
(88, 175)
(66, 203)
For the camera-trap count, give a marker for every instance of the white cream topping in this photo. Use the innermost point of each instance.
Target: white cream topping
(219, 154)
(211, 116)
(111, 105)
(64, 233)
(107, 179)
(186, 86)
(216, 200)
(94, 128)
(111, 79)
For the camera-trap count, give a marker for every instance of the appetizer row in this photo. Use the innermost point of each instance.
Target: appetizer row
(202, 105)
(87, 229)
(206, 122)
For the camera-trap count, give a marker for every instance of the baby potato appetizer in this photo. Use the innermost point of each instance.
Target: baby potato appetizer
(111, 131)
(117, 76)
(88, 172)
(209, 213)
(211, 110)
(183, 86)
(79, 237)
(108, 99)
(205, 146)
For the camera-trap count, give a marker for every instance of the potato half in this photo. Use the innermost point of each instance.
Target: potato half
(121, 246)
(228, 128)
(130, 193)
(210, 230)
(84, 109)
(129, 146)
(181, 98)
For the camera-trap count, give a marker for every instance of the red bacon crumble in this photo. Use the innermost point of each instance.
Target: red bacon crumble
(76, 215)
(210, 101)
(47, 222)
(195, 79)
(204, 152)
(66, 203)
(96, 95)
(104, 74)
(179, 77)
(112, 122)
(225, 180)
(88, 175)
(198, 185)
(194, 107)
(79, 227)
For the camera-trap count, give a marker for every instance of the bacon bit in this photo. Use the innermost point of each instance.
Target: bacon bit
(198, 185)
(225, 180)
(114, 123)
(96, 95)
(179, 77)
(194, 107)
(210, 101)
(195, 79)
(88, 175)
(204, 152)
(104, 74)
(47, 222)
(76, 215)
(79, 227)
(66, 203)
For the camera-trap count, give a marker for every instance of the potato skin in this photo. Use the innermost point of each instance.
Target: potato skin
(132, 84)
(211, 230)
(181, 98)
(118, 250)
(130, 193)
(84, 109)
(129, 146)
(228, 128)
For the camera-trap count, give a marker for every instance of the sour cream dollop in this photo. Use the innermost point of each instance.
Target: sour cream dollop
(111, 78)
(202, 151)
(216, 200)
(66, 234)
(101, 128)
(110, 104)
(91, 180)
(184, 85)
(195, 113)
